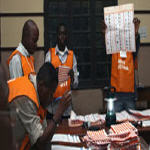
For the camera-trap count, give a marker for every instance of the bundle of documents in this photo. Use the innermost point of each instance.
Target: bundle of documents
(121, 137)
(141, 115)
(124, 136)
(94, 119)
(61, 147)
(97, 139)
(133, 115)
(66, 138)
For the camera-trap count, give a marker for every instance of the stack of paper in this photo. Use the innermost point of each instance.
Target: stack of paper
(125, 116)
(66, 138)
(61, 147)
(94, 119)
(124, 136)
(97, 139)
(141, 115)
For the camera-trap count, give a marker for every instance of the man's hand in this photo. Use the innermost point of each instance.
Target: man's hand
(136, 22)
(103, 27)
(71, 74)
(63, 105)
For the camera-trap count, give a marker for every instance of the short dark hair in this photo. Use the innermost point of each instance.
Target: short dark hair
(47, 74)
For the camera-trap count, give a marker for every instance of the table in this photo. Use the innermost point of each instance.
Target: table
(63, 128)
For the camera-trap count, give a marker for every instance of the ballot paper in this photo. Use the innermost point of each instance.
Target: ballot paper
(63, 75)
(86, 118)
(66, 138)
(61, 147)
(125, 116)
(120, 33)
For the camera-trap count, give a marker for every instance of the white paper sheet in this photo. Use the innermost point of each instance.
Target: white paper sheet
(87, 118)
(146, 123)
(61, 147)
(144, 113)
(120, 33)
(66, 138)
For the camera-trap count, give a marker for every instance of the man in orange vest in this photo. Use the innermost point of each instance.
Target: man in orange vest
(20, 61)
(62, 57)
(29, 97)
(123, 75)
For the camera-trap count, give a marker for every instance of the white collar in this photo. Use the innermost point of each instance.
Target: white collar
(23, 50)
(57, 51)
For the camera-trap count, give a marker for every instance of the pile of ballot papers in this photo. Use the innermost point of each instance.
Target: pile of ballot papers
(124, 136)
(97, 139)
(121, 136)
(78, 120)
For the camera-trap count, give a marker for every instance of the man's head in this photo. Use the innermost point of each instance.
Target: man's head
(47, 81)
(62, 36)
(4, 91)
(30, 35)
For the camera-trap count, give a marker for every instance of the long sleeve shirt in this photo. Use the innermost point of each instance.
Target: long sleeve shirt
(63, 57)
(15, 65)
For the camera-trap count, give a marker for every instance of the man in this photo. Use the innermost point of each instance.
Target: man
(123, 76)
(61, 56)
(3, 89)
(21, 62)
(29, 96)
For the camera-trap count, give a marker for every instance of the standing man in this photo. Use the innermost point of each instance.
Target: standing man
(123, 75)
(62, 56)
(20, 61)
(29, 97)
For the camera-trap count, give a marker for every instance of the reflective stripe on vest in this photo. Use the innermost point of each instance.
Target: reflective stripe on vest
(56, 63)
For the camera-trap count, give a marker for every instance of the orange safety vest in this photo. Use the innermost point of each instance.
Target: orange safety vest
(56, 63)
(27, 62)
(15, 90)
(122, 73)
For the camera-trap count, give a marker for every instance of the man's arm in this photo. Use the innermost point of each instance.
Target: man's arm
(136, 22)
(51, 126)
(74, 73)
(15, 67)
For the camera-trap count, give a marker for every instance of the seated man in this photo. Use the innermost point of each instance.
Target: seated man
(29, 96)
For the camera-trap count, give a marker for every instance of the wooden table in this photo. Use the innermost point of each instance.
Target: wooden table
(65, 129)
